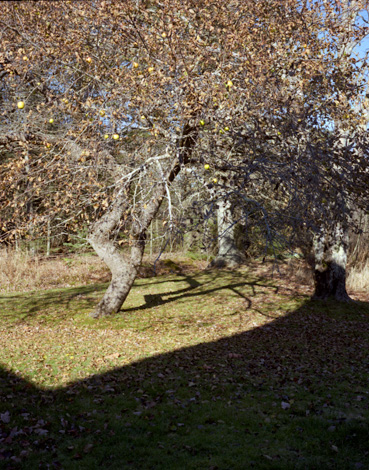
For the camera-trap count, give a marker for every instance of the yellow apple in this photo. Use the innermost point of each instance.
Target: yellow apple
(89, 60)
(150, 69)
(215, 180)
(106, 136)
(164, 35)
(115, 136)
(20, 104)
(226, 128)
(206, 166)
(202, 122)
(229, 84)
(51, 120)
(135, 65)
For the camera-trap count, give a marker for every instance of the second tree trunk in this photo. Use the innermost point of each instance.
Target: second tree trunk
(229, 255)
(330, 252)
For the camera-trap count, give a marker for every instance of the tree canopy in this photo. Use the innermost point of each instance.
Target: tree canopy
(104, 103)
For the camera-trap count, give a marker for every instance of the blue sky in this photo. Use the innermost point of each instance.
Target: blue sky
(364, 46)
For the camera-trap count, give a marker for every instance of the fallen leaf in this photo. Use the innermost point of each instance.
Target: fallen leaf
(112, 356)
(5, 417)
(87, 448)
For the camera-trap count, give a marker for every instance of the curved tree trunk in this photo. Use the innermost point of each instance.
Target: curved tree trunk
(330, 250)
(229, 256)
(123, 267)
(124, 270)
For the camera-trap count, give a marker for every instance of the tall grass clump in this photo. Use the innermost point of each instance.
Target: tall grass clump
(358, 278)
(20, 271)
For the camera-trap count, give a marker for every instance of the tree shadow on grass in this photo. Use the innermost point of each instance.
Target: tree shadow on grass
(191, 291)
(292, 394)
(158, 299)
(28, 305)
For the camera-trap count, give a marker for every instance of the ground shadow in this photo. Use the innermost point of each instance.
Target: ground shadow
(291, 394)
(221, 277)
(172, 296)
(28, 305)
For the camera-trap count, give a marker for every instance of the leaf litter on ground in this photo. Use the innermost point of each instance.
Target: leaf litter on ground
(194, 363)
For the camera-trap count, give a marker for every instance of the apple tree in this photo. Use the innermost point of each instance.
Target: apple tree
(120, 97)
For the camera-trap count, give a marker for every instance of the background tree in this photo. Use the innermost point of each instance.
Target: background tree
(332, 241)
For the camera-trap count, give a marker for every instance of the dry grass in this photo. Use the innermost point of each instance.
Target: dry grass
(358, 278)
(21, 272)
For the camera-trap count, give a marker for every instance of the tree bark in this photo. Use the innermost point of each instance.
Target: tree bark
(330, 252)
(124, 267)
(229, 256)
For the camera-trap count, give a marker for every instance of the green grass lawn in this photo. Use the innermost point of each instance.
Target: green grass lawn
(208, 370)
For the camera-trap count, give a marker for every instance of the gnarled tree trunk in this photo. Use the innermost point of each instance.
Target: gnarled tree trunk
(330, 252)
(123, 267)
(229, 255)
